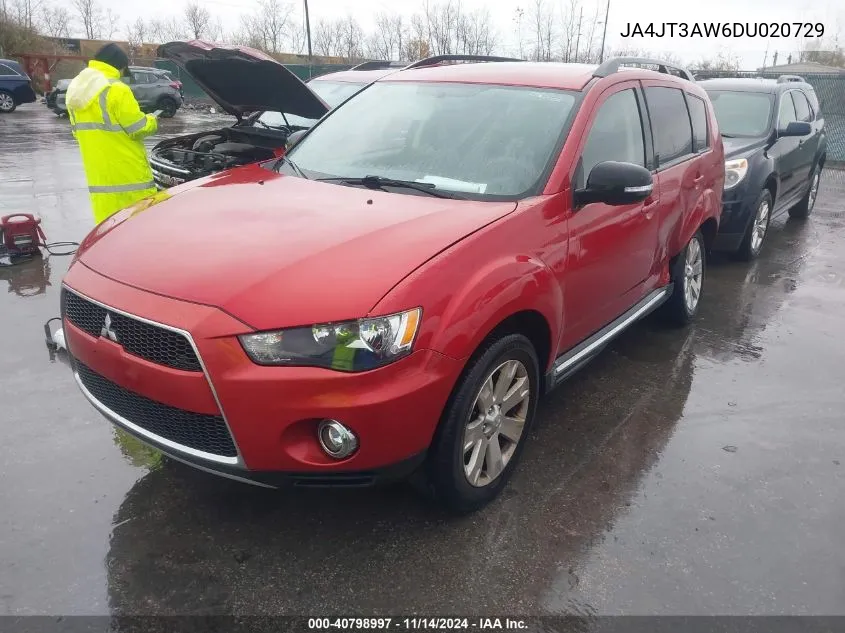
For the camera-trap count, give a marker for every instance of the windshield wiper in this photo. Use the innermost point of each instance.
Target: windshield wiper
(379, 182)
(296, 168)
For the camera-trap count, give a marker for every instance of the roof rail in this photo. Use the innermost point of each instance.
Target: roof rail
(431, 61)
(612, 65)
(378, 65)
(788, 78)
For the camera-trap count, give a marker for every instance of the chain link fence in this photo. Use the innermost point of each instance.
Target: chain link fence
(830, 89)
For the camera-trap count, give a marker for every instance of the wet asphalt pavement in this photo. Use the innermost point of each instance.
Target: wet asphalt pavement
(697, 471)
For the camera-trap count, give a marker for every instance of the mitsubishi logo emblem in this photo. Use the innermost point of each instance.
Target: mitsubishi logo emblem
(107, 332)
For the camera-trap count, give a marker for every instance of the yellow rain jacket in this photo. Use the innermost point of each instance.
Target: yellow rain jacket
(108, 124)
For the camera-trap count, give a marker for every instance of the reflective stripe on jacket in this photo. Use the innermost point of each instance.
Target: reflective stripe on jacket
(108, 124)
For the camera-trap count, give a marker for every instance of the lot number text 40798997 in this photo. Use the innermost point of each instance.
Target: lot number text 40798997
(415, 624)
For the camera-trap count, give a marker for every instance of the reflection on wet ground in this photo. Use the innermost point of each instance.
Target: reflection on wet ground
(685, 471)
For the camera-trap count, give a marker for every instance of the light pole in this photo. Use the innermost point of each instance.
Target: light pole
(604, 34)
(308, 30)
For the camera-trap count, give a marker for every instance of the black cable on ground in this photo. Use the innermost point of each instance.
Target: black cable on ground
(51, 245)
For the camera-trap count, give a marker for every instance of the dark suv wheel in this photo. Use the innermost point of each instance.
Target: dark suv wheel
(485, 426)
(804, 208)
(755, 235)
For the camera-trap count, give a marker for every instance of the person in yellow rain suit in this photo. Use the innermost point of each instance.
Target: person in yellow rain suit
(109, 126)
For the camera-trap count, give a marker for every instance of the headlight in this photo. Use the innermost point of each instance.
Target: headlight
(347, 346)
(735, 171)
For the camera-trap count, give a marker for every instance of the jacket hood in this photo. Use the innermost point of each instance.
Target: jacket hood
(279, 251)
(85, 87)
(242, 80)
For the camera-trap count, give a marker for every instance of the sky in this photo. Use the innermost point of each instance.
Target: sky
(750, 51)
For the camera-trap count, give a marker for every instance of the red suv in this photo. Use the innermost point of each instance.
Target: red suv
(394, 295)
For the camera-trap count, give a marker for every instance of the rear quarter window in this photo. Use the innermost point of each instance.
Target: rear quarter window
(698, 116)
(670, 121)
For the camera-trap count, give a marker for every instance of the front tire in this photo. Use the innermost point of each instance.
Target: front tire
(804, 208)
(755, 235)
(7, 102)
(485, 425)
(687, 273)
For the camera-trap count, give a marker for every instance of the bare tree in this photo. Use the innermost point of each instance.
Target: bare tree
(389, 39)
(55, 21)
(328, 38)
(111, 23)
(91, 16)
(475, 33)
(722, 61)
(269, 28)
(165, 30)
(543, 21)
(519, 16)
(197, 20)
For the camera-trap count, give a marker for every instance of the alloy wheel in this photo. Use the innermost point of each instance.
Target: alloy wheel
(693, 272)
(761, 225)
(496, 422)
(7, 104)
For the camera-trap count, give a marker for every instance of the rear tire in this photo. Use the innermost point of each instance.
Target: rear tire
(168, 107)
(804, 208)
(755, 235)
(687, 274)
(7, 102)
(485, 425)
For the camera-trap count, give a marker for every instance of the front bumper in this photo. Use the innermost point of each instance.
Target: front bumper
(270, 414)
(737, 211)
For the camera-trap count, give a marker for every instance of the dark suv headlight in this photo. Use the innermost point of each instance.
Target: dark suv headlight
(345, 346)
(735, 171)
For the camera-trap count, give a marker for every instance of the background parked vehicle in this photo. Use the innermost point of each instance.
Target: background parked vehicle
(154, 89)
(15, 86)
(775, 150)
(55, 99)
(493, 271)
(272, 106)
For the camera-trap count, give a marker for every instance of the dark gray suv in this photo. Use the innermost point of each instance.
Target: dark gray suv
(155, 89)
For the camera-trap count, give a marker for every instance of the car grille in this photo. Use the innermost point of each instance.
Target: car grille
(207, 433)
(166, 176)
(150, 342)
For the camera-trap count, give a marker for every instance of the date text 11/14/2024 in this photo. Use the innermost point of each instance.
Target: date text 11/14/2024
(724, 29)
(416, 624)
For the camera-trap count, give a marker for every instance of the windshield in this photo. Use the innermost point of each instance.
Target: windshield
(333, 93)
(479, 139)
(742, 113)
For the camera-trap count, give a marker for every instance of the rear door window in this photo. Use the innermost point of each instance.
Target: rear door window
(802, 108)
(698, 115)
(670, 122)
(616, 134)
(6, 71)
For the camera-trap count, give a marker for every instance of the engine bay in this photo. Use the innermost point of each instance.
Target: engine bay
(189, 157)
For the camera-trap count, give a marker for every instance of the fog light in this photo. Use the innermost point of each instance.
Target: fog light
(337, 440)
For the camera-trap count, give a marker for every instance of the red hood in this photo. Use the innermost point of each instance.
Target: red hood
(279, 251)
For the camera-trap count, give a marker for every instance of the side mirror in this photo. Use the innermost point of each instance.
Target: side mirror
(294, 138)
(796, 128)
(616, 184)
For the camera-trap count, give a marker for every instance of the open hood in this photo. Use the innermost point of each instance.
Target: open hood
(241, 79)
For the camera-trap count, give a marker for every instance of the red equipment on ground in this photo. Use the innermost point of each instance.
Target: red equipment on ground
(21, 234)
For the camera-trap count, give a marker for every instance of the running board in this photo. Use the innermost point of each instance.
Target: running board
(569, 363)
